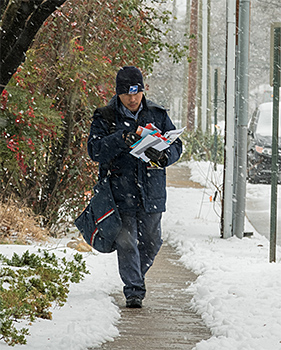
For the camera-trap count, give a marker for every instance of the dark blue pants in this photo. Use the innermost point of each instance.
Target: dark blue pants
(137, 245)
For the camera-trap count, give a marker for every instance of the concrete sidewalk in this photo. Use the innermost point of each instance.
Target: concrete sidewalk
(179, 176)
(165, 321)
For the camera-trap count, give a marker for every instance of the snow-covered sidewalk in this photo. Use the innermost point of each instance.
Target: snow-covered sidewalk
(237, 293)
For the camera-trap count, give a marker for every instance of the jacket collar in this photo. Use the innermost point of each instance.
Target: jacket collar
(115, 102)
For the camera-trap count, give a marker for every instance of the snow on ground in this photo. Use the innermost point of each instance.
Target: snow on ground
(89, 316)
(237, 293)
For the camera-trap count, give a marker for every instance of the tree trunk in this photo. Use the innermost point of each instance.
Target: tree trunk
(57, 159)
(20, 23)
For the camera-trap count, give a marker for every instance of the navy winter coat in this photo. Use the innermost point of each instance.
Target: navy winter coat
(133, 182)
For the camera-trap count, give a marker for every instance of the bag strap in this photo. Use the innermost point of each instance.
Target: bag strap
(108, 114)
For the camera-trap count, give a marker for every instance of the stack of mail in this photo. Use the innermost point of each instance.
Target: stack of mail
(152, 137)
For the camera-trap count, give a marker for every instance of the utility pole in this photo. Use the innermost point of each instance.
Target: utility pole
(192, 81)
(215, 118)
(184, 116)
(174, 76)
(199, 68)
(209, 97)
(276, 70)
(242, 117)
(204, 64)
(227, 209)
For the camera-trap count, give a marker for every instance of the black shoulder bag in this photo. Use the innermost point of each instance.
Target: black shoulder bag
(100, 222)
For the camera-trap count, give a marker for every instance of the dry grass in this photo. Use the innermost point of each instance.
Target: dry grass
(19, 225)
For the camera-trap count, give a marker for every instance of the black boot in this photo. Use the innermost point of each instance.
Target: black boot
(134, 302)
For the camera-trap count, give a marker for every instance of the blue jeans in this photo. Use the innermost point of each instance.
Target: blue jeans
(137, 245)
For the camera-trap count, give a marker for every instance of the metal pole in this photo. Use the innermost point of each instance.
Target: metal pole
(215, 118)
(209, 108)
(235, 128)
(275, 123)
(204, 64)
(199, 69)
(242, 118)
(192, 71)
(230, 115)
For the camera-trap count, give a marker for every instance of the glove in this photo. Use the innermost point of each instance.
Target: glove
(130, 137)
(160, 158)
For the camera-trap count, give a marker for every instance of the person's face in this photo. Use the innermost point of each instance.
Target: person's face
(131, 101)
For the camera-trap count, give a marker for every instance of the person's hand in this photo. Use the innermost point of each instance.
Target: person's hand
(158, 157)
(130, 138)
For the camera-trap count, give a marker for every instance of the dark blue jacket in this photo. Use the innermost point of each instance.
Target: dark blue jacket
(134, 183)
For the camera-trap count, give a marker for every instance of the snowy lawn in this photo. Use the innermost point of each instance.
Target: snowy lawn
(237, 293)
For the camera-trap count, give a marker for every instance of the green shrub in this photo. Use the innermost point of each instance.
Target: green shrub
(29, 285)
(199, 146)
